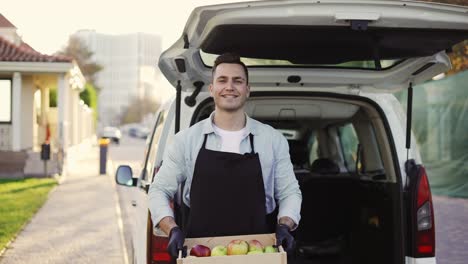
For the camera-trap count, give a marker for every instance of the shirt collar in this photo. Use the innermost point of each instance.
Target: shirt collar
(250, 126)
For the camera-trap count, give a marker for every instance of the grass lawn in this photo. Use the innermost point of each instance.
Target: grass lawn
(19, 201)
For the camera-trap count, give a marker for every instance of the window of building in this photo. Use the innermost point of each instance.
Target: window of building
(5, 101)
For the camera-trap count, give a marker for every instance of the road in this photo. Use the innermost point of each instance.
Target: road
(451, 217)
(451, 214)
(130, 151)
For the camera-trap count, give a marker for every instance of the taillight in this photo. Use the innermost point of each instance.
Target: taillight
(425, 234)
(159, 254)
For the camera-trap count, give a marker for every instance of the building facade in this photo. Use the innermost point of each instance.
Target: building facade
(129, 70)
(27, 119)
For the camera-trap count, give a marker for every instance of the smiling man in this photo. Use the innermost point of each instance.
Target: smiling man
(237, 171)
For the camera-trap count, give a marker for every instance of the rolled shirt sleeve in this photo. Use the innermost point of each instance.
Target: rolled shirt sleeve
(287, 191)
(164, 186)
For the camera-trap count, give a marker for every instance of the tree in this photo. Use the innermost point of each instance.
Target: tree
(459, 58)
(89, 97)
(77, 50)
(138, 108)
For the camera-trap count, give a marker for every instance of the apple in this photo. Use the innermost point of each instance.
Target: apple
(255, 245)
(200, 251)
(237, 247)
(270, 249)
(219, 251)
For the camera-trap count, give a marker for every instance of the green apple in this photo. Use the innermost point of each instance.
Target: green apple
(219, 251)
(270, 249)
(254, 252)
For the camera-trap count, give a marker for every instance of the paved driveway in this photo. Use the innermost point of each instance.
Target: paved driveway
(78, 223)
(451, 220)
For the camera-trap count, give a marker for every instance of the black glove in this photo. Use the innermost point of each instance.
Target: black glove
(284, 238)
(176, 242)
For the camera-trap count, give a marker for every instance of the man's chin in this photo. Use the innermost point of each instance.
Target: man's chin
(230, 108)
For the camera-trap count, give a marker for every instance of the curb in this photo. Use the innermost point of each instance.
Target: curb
(110, 172)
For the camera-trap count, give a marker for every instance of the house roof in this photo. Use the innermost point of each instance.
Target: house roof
(5, 22)
(24, 53)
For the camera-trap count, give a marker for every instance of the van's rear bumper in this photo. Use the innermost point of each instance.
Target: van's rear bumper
(410, 260)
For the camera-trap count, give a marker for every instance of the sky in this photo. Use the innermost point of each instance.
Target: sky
(46, 24)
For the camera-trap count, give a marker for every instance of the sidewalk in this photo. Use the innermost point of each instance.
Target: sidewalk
(78, 223)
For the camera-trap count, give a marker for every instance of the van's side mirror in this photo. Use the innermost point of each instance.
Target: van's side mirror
(124, 176)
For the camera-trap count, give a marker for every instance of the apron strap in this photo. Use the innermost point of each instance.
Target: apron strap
(251, 144)
(204, 141)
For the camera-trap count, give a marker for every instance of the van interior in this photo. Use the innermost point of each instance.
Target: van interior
(342, 157)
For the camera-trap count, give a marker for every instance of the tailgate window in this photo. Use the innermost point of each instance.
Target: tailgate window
(208, 59)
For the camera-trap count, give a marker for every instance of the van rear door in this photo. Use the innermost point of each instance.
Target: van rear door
(377, 46)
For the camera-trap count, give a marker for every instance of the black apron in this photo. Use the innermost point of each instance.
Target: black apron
(227, 195)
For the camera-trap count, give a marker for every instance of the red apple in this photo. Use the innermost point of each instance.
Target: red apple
(237, 247)
(255, 245)
(200, 251)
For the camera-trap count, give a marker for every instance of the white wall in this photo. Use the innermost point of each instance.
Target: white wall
(27, 112)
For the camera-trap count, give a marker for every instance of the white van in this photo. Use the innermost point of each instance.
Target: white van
(323, 73)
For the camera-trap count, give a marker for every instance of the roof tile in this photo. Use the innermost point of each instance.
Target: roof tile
(24, 53)
(5, 22)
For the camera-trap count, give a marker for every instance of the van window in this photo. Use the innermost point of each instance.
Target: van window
(349, 146)
(208, 59)
(151, 157)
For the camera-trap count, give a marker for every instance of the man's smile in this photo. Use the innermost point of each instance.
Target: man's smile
(229, 96)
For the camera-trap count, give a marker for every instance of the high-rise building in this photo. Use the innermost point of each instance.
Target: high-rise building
(129, 70)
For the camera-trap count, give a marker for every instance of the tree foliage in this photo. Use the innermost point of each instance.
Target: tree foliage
(78, 50)
(138, 108)
(89, 97)
(459, 58)
(53, 97)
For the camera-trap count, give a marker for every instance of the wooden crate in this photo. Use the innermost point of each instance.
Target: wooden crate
(211, 242)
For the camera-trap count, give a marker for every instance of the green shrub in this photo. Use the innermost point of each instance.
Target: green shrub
(53, 97)
(89, 97)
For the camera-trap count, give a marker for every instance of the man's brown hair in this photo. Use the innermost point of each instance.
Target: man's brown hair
(230, 58)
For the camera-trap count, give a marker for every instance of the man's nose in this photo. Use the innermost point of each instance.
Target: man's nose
(230, 85)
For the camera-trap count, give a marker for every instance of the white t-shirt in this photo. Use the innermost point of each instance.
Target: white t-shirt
(230, 139)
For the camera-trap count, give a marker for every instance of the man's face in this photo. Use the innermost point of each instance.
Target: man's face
(229, 88)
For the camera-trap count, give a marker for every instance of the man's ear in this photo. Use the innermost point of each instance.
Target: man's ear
(248, 91)
(210, 87)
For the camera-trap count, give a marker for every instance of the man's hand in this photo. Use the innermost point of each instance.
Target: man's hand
(284, 238)
(176, 242)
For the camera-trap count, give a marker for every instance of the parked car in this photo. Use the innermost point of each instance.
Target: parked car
(322, 73)
(111, 133)
(139, 132)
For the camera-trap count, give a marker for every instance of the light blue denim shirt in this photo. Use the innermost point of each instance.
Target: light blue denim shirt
(179, 163)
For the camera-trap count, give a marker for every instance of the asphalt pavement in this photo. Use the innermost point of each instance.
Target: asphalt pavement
(79, 223)
(451, 217)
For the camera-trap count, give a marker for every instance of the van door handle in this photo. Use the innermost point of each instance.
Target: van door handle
(134, 203)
